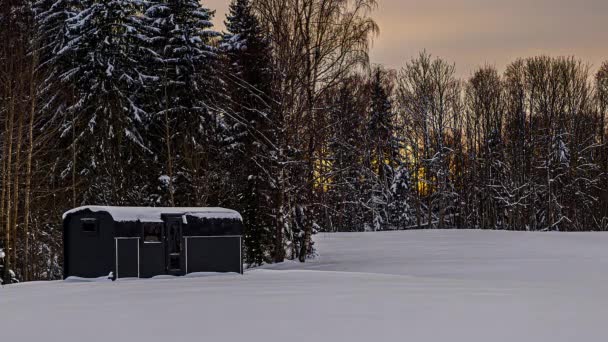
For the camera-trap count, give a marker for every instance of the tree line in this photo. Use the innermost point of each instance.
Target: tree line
(281, 117)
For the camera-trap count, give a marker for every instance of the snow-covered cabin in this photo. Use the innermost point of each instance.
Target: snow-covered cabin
(143, 242)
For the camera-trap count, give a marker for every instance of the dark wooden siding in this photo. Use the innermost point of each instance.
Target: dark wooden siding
(214, 254)
(92, 255)
(88, 255)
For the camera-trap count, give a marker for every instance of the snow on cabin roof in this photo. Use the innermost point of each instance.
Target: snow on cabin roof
(153, 214)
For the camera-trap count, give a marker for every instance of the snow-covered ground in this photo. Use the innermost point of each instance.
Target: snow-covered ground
(395, 286)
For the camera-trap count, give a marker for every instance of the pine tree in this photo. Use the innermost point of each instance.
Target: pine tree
(250, 122)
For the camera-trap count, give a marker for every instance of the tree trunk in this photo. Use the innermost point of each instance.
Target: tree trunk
(28, 172)
(279, 250)
(73, 158)
(169, 151)
(16, 188)
(8, 170)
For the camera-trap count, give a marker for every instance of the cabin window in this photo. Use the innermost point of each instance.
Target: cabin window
(152, 233)
(89, 225)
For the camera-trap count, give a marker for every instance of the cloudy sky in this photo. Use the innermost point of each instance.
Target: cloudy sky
(477, 32)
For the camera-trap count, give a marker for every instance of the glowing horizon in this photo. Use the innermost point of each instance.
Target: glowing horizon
(473, 33)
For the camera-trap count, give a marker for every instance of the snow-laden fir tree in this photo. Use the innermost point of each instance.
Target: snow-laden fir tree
(56, 93)
(104, 122)
(382, 150)
(181, 128)
(401, 215)
(252, 138)
(52, 19)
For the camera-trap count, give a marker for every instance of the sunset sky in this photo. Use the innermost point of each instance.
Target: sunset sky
(477, 32)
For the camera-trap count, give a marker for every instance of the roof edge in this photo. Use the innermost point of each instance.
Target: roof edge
(154, 214)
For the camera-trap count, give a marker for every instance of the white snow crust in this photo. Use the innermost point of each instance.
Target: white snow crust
(427, 286)
(153, 214)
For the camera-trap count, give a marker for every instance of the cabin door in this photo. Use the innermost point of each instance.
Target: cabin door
(174, 245)
(127, 257)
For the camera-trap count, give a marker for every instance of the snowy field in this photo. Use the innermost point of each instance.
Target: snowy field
(396, 286)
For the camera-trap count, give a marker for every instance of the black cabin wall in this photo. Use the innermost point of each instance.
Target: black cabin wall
(152, 259)
(91, 255)
(212, 227)
(219, 254)
(87, 254)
